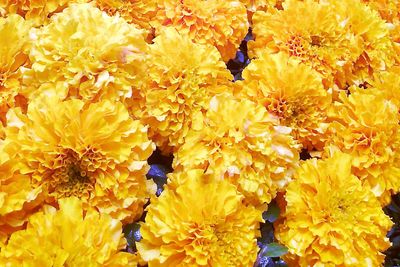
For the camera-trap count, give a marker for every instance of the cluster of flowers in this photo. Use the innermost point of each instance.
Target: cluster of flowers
(90, 88)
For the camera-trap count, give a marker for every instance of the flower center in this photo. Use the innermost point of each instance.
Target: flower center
(71, 178)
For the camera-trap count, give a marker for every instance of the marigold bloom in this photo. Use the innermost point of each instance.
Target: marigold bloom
(18, 198)
(84, 53)
(343, 40)
(240, 142)
(97, 153)
(36, 11)
(291, 91)
(139, 12)
(390, 12)
(182, 82)
(200, 224)
(14, 45)
(330, 219)
(69, 236)
(388, 83)
(366, 125)
(220, 23)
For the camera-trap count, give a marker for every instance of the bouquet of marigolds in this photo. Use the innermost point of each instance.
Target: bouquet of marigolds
(218, 133)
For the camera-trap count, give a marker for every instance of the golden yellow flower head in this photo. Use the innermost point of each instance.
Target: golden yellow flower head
(18, 199)
(69, 236)
(366, 125)
(330, 219)
(291, 91)
(388, 83)
(343, 40)
(14, 42)
(97, 153)
(240, 142)
(86, 54)
(36, 11)
(182, 82)
(390, 12)
(200, 224)
(139, 12)
(220, 23)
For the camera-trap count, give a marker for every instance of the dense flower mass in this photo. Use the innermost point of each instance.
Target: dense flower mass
(18, 198)
(138, 12)
(14, 45)
(74, 56)
(181, 84)
(389, 11)
(343, 40)
(291, 91)
(37, 11)
(67, 237)
(366, 125)
(244, 144)
(89, 152)
(201, 223)
(219, 23)
(330, 219)
(178, 132)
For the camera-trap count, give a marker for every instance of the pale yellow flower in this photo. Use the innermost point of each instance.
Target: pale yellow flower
(84, 53)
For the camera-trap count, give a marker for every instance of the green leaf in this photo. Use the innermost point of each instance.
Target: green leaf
(272, 213)
(275, 250)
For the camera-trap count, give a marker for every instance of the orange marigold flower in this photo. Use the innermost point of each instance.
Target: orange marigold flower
(69, 236)
(366, 125)
(182, 82)
(240, 142)
(97, 153)
(37, 11)
(291, 91)
(330, 219)
(14, 43)
(74, 55)
(343, 40)
(200, 224)
(139, 12)
(220, 23)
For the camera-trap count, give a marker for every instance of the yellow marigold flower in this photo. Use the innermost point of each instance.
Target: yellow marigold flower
(388, 82)
(390, 12)
(182, 82)
(200, 224)
(139, 12)
(343, 40)
(254, 5)
(97, 153)
(18, 199)
(86, 54)
(69, 236)
(240, 142)
(291, 91)
(220, 23)
(37, 11)
(366, 125)
(14, 45)
(330, 219)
